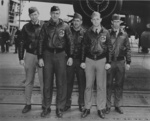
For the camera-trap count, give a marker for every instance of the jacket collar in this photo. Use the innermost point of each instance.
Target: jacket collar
(51, 22)
(81, 28)
(37, 23)
(114, 32)
(101, 31)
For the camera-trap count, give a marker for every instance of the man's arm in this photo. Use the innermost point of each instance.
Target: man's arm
(21, 48)
(109, 49)
(109, 52)
(70, 43)
(128, 50)
(40, 48)
(83, 50)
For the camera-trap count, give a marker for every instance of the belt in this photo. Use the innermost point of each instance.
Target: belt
(55, 50)
(31, 51)
(96, 57)
(118, 58)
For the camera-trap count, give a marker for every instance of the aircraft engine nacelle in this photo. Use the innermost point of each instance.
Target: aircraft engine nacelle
(105, 7)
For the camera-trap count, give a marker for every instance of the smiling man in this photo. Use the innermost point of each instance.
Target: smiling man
(55, 37)
(28, 42)
(75, 70)
(121, 59)
(96, 58)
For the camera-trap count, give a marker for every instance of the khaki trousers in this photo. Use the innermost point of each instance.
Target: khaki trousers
(95, 69)
(31, 65)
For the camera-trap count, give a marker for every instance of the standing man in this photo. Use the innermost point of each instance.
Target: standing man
(17, 39)
(28, 42)
(1, 36)
(121, 53)
(145, 39)
(5, 40)
(55, 38)
(96, 58)
(78, 32)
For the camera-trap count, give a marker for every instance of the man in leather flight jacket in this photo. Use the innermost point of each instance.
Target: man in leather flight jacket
(96, 58)
(28, 42)
(55, 37)
(78, 33)
(121, 53)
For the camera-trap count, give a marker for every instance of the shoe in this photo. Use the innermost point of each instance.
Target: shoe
(67, 108)
(43, 108)
(45, 112)
(107, 110)
(26, 109)
(81, 108)
(119, 110)
(101, 114)
(85, 113)
(59, 113)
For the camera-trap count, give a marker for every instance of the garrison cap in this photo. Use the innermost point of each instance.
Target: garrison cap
(95, 13)
(32, 10)
(78, 16)
(55, 8)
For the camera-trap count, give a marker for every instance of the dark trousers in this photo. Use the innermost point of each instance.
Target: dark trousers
(73, 70)
(115, 80)
(4, 47)
(55, 64)
(16, 46)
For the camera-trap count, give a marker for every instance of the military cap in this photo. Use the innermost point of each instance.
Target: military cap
(116, 17)
(32, 10)
(78, 16)
(55, 8)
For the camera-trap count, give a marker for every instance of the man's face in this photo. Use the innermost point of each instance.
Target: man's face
(96, 20)
(148, 25)
(34, 16)
(77, 23)
(116, 24)
(55, 15)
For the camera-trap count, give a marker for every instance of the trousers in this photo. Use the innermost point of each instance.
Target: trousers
(55, 64)
(72, 71)
(95, 69)
(115, 80)
(31, 65)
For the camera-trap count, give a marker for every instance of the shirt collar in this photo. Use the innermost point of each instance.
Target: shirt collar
(117, 32)
(75, 29)
(53, 23)
(99, 30)
(36, 23)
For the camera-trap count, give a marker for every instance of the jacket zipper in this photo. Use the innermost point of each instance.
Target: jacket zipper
(53, 35)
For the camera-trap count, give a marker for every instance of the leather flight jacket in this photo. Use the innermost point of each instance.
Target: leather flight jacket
(96, 45)
(29, 38)
(77, 39)
(121, 46)
(55, 37)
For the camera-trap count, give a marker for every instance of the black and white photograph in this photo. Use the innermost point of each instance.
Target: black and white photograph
(74, 60)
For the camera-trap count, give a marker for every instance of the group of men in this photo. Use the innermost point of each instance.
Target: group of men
(6, 39)
(55, 48)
